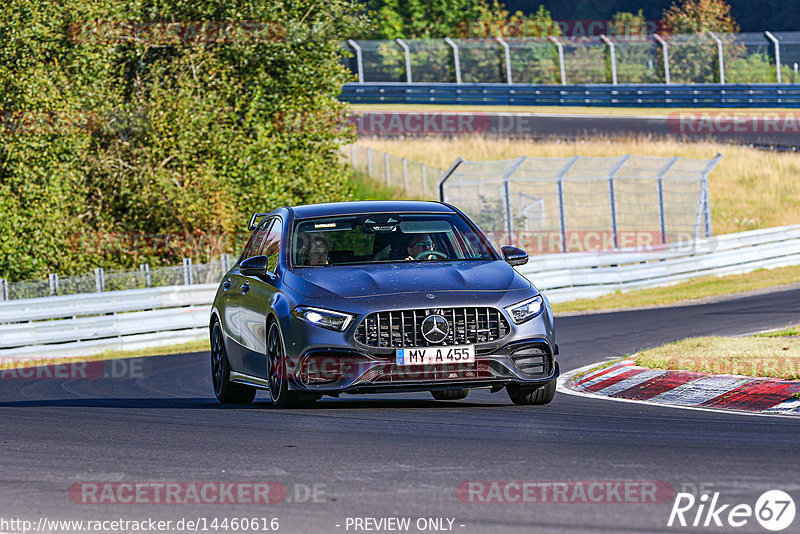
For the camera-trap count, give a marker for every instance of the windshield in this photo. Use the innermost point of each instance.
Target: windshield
(386, 238)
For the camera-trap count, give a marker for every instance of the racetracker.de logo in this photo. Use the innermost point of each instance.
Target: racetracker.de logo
(569, 492)
(185, 33)
(16, 122)
(729, 123)
(585, 28)
(173, 493)
(429, 123)
(22, 368)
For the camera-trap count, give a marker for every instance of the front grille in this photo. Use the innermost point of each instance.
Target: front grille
(398, 329)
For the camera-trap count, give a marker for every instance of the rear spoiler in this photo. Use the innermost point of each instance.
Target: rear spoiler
(252, 226)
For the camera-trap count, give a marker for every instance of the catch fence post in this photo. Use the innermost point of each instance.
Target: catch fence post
(187, 271)
(146, 271)
(662, 217)
(561, 212)
(359, 60)
(613, 198)
(53, 279)
(99, 280)
(665, 56)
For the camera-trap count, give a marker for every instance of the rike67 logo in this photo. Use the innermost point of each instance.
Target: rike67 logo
(774, 510)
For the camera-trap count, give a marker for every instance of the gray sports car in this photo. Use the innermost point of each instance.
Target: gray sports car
(366, 297)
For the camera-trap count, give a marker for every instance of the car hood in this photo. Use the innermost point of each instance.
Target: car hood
(348, 281)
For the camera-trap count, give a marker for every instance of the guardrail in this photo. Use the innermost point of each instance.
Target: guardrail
(73, 325)
(606, 95)
(565, 277)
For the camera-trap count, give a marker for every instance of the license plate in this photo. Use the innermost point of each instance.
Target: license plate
(436, 355)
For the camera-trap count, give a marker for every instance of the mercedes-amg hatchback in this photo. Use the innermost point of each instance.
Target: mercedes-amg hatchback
(367, 297)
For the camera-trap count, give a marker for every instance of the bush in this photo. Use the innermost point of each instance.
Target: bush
(118, 128)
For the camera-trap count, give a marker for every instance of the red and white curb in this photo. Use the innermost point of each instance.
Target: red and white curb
(626, 381)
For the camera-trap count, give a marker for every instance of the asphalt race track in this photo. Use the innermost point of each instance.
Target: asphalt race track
(401, 455)
(694, 126)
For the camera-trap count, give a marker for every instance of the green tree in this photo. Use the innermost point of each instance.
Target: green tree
(693, 56)
(637, 54)
(695, 16)
(419, 19)
(162, 136)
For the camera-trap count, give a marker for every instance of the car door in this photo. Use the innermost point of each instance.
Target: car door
(257, 296)
(235, 296)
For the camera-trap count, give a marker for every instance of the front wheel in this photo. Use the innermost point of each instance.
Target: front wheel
(226, 391)
(527, 396)
(276, 373)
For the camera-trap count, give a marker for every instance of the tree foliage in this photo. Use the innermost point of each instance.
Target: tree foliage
(419, 19)
(694, 16)
(108, 129)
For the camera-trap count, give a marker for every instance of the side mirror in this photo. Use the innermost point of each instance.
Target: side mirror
(515, 256)
(255, 266)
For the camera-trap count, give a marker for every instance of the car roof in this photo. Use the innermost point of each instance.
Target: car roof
(369, 206)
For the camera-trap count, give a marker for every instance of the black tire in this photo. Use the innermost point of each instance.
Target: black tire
(527, 396)
(276, 374)
(226, 391)
(450, 394)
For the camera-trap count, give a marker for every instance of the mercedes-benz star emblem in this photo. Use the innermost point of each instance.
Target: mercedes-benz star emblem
(435, 328)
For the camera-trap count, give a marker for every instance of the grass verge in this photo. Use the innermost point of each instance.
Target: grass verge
(699, 288)
(771, 357)
(192, 346)
(367, 188)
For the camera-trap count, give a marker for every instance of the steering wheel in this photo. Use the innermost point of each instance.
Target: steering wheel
(430, 253)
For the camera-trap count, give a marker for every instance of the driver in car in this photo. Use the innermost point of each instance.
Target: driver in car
(418, 245)
(318, 252)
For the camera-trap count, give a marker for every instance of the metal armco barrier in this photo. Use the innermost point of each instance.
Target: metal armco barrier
(606, 95)
(565, 277)
(73, 325)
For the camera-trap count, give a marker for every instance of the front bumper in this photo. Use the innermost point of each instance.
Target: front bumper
(346, 370)
(322, 361)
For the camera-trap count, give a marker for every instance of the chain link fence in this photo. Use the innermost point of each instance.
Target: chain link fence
(415, 179)
(578, 204)
(541, 204)
(651, 58)
(101, 280)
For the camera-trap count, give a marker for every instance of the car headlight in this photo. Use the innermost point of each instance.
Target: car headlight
(325, 318)
(525, 310)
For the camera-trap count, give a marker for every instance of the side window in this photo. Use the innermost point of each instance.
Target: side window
(272, 245)
(256, 243)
